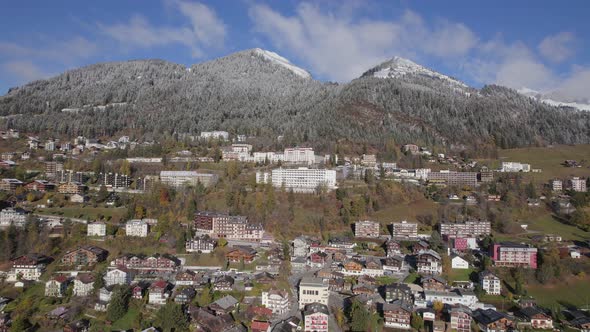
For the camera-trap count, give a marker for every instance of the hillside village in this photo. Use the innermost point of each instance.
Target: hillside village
(219, 232)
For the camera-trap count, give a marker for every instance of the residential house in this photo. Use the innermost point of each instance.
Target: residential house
(300, 246)
(84, 256)
(56, 286)
(458, 262)
(434, 283)
(224, 305)
(10, 185)
(429, 262)
(457, 296)
(352, 267)
(184, 295)
(190, 278)
(241, 254)
(397, 315)
(118, 276)
(137, 228)
(490, 283)
(460, 318)
(419, 247)
(399, 291)
(490, 320)
(40, 185)
(393, 263)
(70, 188)
(223, 283)
(259, 326)
(393, 248)
(537, 318)
(28, 267)
(96, 229)
(159, 292)
(276, 300)
(203, 244)
(83, 284)
(316, 317)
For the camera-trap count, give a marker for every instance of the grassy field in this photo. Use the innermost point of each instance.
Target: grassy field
(546, 223)
(87, 212)
(549, 160)
(460, 274)
(574, 291)
(396, 213)
(126, 322)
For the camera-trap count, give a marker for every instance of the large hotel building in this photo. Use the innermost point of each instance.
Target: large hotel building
(218, 225)
(302, 179)
(472, 228)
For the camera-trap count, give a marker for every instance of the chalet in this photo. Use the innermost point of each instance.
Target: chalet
(84, 256)
(373, 268)
(78, 198)
(40, 185)
(184, 295)
(457, 262)
(224, 305)
(159, 292)
(155, 263)
(318, 259)
(10, 185)
(203, 244)
(190, 278)
(264, 278)
(460, 318)
(259, 326)
(276, 300)
(337, 285)
(138, 291)
(490, 283)
(429, 262)
(367, 279)
(363, 289)
(537, 318)
(316, 317)
(393, 263)
(392, 248)
(206, 321)
(241, 254)
(397, 315)
(490, 320)
(56, 286)
(28, 267)
(71, 188)
(83, 284)
(352, 267)
(118, 276)
(434, 283)
(399, 291)
(419, 247)
(223, 283)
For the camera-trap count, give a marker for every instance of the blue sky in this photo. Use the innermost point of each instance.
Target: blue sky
(542, 45)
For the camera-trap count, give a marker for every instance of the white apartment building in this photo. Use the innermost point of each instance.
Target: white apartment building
(136, 227)
(556, 185)
(511, 166)
(578, 184)
(218, 134)
(313, 290)
(302, 179)
(10, 216)
(96, 229)
(178, 179)
(276, 300)
(118, 276)
(468, 229)
(490, 283)
(459, 296)
(299, 156)
(239, 152)
(404, 229)
(271, 157)
(422, 173)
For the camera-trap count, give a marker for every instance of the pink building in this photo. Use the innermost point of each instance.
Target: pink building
(513, 255)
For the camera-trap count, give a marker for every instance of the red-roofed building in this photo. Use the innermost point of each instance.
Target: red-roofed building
(260, 326)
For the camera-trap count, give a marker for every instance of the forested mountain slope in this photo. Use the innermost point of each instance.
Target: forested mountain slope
(260, 93)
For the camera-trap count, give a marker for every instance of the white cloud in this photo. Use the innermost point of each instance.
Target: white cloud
(558, 47)
(341, 47)
(24, 71)
(205, 29)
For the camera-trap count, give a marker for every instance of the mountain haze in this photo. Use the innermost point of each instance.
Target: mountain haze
(258, 92)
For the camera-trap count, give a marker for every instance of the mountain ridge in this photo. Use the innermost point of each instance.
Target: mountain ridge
(245, 92)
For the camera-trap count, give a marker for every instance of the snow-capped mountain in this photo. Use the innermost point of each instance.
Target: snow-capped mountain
(398, 67)
(281, 61)
(556, 98)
